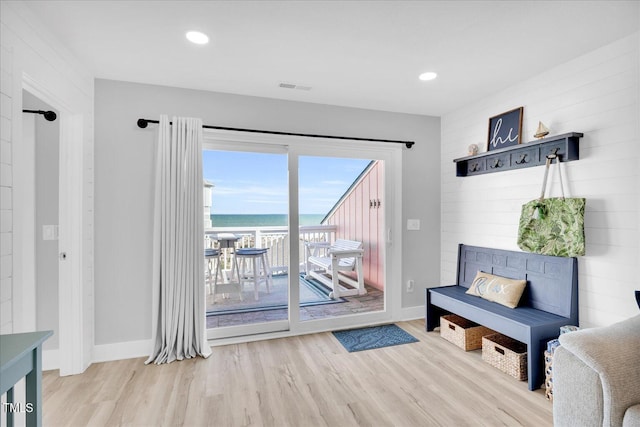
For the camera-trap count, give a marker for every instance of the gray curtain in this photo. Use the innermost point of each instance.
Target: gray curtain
(179, 330)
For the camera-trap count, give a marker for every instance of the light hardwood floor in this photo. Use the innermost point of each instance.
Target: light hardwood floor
(307, 380)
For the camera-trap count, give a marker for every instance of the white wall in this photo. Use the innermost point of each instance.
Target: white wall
(596, 94)
(124, 156)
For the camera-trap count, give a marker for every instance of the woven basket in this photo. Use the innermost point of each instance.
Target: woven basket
(462, 332)
(506, 354)
(548, 375)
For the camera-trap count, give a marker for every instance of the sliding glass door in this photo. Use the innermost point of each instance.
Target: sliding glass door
(274, 207)
(246, 215)
(340, 201)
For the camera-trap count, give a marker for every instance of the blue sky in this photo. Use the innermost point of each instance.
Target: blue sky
(256, 183)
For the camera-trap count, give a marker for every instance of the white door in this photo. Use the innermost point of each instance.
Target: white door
(355, 187)
(246, 238)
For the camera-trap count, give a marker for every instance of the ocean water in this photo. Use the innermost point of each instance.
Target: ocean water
(249, 220)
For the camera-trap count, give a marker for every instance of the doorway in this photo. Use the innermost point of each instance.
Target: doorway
(42, 135)
(346, 195)
(246, 216)
(381, 164)
(75, 214)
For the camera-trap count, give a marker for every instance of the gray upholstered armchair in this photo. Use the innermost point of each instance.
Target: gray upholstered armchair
(596, 376)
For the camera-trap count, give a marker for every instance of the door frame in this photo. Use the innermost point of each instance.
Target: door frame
(392, 232)
(327, 147)
(75, 340)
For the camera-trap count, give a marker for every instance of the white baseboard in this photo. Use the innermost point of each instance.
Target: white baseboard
(412, 313)
(50, 360)
(121, 350)
(101, 353)
(134, 349)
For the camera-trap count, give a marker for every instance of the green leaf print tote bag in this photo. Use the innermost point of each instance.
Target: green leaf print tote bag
(552, 226)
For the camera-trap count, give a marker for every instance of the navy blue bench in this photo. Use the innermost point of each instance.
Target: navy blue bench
(550, 299)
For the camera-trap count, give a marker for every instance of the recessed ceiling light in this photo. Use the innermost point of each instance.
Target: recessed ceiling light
(428, 76)
(197, 37)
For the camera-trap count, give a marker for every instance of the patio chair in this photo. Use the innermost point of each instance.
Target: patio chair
(257, 271)
(329, 263)
(216, 287)
(211, 257)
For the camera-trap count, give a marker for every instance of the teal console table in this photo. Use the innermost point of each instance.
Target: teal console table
(21, 356)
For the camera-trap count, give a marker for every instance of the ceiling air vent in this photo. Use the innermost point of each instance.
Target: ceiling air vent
(292, 86)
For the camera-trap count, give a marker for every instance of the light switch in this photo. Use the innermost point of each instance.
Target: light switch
(413, 224)
(49, 232)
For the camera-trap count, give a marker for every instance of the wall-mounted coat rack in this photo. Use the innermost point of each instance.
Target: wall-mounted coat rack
(521, 156)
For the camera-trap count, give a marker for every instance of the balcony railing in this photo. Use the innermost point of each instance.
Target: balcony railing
(274, 238)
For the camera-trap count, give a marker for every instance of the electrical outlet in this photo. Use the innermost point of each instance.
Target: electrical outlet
(410, 285)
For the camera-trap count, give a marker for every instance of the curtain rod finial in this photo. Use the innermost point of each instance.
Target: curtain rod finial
(142, 123)
(409, 144)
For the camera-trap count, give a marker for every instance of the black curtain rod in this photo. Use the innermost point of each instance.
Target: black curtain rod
(49, 115)
(142, 123)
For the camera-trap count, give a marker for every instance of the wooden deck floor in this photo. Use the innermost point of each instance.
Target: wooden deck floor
(372, 301)
(308, 380)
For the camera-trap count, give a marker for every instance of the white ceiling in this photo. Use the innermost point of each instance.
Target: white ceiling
(365, 54)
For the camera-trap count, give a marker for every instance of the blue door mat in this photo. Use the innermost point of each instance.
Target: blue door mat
(373, 337)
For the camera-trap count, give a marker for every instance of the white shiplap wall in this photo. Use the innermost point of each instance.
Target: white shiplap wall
(596, 94)
(6, 189)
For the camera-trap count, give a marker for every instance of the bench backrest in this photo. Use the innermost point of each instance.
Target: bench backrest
(552, 282)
